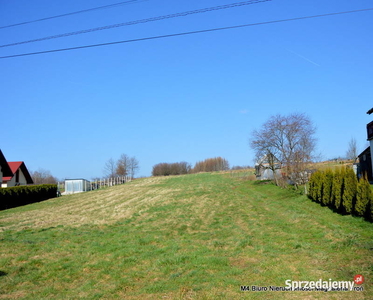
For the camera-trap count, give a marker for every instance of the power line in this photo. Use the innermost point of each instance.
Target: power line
(187, 33)
(182, 14)
(73, 13)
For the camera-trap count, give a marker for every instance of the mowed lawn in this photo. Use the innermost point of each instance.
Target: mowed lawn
(196, 236)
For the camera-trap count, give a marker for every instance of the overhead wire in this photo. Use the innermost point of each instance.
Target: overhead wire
(72, 13)
(188, 33)
(176, 15)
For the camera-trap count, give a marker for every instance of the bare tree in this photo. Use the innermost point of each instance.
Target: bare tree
(211, 165)
(266, 149)
(42, 176)
(127, 166)
(133, 166)
(123, 165)
(291, 140)
(352, 150)
(110, 168)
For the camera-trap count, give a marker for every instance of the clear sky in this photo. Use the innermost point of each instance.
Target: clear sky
(183, 98)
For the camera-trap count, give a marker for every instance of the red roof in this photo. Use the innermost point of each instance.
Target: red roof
(16, 165)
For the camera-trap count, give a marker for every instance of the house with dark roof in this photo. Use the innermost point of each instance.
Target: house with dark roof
(364, 167)
(13, 173)
(20, 175)
(5, 170)
(367, 152)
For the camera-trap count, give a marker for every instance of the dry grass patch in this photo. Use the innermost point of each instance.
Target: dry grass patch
(105, 206)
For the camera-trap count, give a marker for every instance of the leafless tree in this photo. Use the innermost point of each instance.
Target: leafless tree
(211, 165)
(266, 149)
(42, 176)
(133, 166)
(110, 168)
(352, 150)
(290, 139)
(127, 166)
(123, 165)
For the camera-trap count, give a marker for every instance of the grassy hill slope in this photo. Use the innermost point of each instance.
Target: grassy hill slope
(197, 236)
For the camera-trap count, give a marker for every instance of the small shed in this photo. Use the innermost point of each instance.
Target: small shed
(263, 168)
(79, 185)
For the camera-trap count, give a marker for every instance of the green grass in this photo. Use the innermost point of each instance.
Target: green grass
(197, 236)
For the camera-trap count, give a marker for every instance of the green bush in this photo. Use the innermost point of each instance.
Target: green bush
(337, 189)
(327, 187)
(364, 197)
(312, 186)
(341, 190)
(23, 195)
(349, 190)
(320, 187)
(315, 186)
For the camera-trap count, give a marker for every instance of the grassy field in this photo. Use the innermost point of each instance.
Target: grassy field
(197, 236)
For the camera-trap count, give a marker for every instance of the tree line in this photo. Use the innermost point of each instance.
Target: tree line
(42, 176)
(180, 168)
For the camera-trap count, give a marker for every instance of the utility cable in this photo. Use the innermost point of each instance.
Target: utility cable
(73, 13)
(188, 33)
(182, 14)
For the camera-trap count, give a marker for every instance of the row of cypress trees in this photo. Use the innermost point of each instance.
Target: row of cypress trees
(342, 191)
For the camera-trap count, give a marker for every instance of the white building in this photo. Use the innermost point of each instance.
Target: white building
(73, 186)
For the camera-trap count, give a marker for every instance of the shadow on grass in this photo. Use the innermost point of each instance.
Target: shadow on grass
(366, 217)
(263, 182)
(2, 273)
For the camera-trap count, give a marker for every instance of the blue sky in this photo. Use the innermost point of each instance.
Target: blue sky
(183, 98)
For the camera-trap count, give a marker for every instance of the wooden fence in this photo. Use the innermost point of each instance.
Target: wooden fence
(106, 182)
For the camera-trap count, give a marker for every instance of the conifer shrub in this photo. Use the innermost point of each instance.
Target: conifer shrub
(337, 189)
(340, 190)
(312, 186)
(364, 198)
(327, 187)
(349, 190)
(320, 187)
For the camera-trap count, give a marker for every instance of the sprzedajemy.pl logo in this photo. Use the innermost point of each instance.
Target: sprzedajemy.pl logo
(318, 285)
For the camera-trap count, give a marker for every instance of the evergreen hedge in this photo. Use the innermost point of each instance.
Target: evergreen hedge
(327, 187)
(341, 191)
(364, 198)
(23, 195)
(349, 191)
(337, 188)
